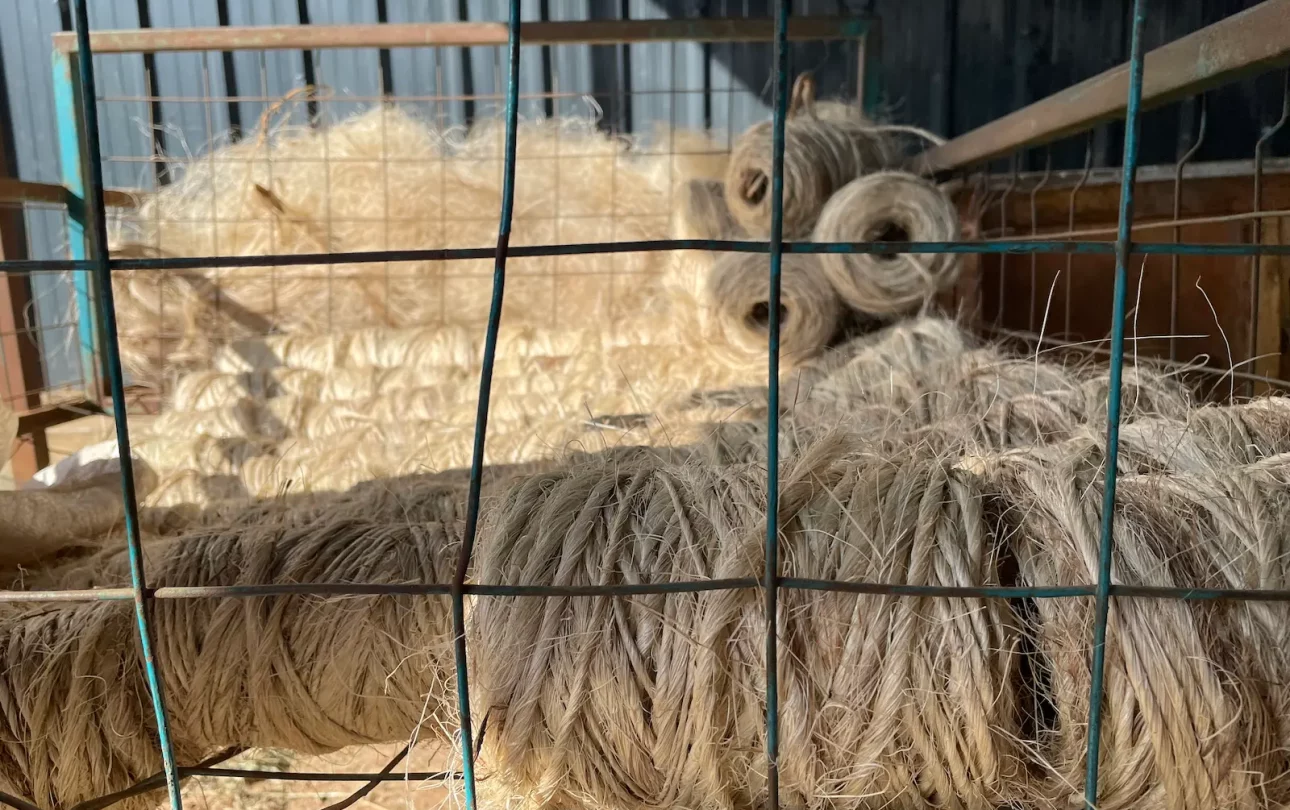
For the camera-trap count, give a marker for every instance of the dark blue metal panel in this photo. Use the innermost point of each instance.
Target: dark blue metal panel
(653, 72)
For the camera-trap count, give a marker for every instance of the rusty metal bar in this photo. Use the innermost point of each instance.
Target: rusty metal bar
(42, 417)
(419, 35)
(22, 191)
(23, 373)
(1249, 42)
(20, 362)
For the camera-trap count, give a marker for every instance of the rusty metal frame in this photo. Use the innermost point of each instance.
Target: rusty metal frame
(25, 191)
(1251, 41)
(459, 34)
(24, 376)
(19, 349)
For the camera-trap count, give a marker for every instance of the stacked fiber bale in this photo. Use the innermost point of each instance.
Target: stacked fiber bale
(925, 381)
(384, 180)
(922, 380)
(302, 413)
(901, 701)
(839, 186)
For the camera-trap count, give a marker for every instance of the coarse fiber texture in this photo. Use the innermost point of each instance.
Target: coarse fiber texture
(925, 381)
(739, 293)
(380, 403)
(385, 180)
(37, 524)
(920, 380)
(826, 146)
(434, 346)
(655, 701)
(891, 207)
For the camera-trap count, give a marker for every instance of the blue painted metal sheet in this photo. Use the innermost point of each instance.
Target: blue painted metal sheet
(348, 73)
(423, 77)
(24, 32)
(191, 86)
(571, 64)
(261, 75)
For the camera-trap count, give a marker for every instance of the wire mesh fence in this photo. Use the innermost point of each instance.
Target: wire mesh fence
(1040, 249)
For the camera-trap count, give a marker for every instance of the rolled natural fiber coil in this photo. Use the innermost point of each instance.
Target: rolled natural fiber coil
(892, 207)
(704, 212)
(821, 154)
(739, 294)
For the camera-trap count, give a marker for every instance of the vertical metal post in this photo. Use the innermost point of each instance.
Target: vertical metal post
(97, 222)
(68, 122)
(1034, 231)
(1123, 247)
(481, 410)
(771, 577)
(868, 67)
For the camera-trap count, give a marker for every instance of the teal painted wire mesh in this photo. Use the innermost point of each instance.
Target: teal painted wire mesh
(771, 582)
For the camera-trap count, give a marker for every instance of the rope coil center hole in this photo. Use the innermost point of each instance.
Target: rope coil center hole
(888, 232)
(759, 316)
(753, 186)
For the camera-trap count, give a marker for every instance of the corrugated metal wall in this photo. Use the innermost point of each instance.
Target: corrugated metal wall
(949, 65)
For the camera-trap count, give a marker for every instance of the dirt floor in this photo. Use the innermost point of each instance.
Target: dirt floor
(210, 793)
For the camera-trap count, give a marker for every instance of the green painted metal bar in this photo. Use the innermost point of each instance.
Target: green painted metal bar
(1025, 247)
(1123, 247)
(771, 576)
(627, 591)
(481, 411)
(96, 220)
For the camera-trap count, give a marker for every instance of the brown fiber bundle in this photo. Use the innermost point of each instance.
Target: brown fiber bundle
(906, 701)
(891, 207)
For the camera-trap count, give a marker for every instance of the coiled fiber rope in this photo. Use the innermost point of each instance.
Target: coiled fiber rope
(826, 145)
(809, 311)
(895, 207)
(658, 700)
